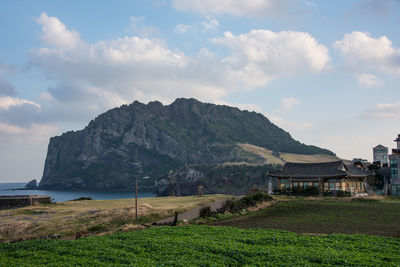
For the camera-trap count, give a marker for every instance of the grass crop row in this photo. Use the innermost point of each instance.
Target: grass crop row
(206, 246)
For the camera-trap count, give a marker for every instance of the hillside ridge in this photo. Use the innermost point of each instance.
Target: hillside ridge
(150, 140)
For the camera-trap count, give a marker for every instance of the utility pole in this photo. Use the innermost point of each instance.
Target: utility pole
(136, 193)
(136, 196)
(136, 164)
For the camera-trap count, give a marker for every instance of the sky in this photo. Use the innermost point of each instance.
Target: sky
(328, 72)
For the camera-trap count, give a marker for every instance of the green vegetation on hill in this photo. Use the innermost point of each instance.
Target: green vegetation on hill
(195, 124)
(205, 246)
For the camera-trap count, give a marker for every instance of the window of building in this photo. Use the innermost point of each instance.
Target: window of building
(337, 186)
(333, 181)
(316, 184)
(332, 186)
(295, 184)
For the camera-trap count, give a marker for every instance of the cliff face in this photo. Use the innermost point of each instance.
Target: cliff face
(220, 178)
(150, 140)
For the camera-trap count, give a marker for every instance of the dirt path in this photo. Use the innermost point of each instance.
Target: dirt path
(195, 212)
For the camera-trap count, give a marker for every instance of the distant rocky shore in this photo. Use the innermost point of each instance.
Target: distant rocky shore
(31, 185)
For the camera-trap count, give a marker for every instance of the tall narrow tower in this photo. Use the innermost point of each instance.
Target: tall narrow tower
(394, 168)
(397, 140)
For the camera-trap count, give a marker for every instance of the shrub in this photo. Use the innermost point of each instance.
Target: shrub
(96, 228)
(361, 199)
(311, 191)
(234, 206)
(337, 193)
(341, 193)
(298, 191)
(205, 212)
(82, 198)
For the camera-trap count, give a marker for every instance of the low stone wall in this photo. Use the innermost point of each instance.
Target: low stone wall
(23, 201)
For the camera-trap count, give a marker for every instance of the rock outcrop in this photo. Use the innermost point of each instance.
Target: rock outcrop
(32, 185)
(150, 140)
(220, 178)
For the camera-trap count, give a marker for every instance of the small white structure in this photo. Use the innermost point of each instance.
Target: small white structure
(380, 153)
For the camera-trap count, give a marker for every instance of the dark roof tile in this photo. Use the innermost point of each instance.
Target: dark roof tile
(323, 169)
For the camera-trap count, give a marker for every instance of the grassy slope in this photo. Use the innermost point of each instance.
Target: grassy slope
(207, 246)
(270, 158)
(68, 218)
(301, 216)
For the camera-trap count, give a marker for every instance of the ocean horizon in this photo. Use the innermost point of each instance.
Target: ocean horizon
(8, 189)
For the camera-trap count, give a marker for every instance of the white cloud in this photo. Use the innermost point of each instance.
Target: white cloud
(182, 28)
(56, 34)
(137, 26)
(235, 7)
(365, 52)
(210, 24)
(111, 72)
(289, 102)
(7, 102)
(383, 111)
(34, 133)
(46, 96)
(261, 55)
(368, 80)
(6, 128)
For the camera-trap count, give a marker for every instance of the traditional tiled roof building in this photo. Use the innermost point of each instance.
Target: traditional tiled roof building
(326, 176)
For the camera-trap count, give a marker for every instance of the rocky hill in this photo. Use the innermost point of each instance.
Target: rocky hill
(150, 140)
(214, 179)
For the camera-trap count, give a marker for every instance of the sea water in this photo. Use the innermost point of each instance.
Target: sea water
(7, 189)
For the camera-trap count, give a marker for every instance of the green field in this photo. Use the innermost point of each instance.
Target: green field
(372, 217)
(206, 246)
